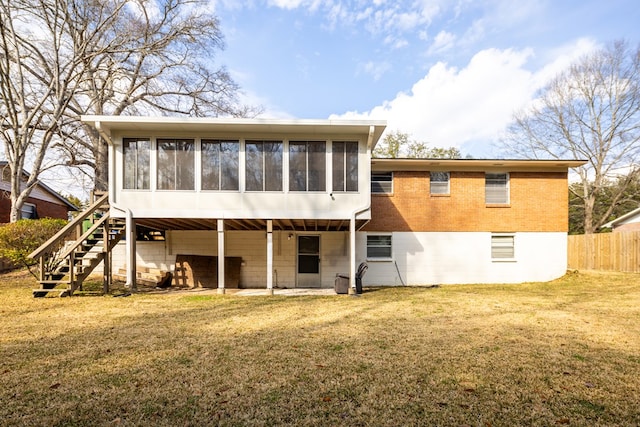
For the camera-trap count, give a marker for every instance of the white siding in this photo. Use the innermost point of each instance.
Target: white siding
(457, 258)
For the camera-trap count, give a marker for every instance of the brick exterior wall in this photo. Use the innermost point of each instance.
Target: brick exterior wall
(43, 208)
(538, 203)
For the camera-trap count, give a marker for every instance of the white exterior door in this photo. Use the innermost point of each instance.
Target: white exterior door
(308, 261)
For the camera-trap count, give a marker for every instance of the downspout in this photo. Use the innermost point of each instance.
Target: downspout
(352, 221)
(130, 242)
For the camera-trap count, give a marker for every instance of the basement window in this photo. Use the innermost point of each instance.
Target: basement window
(379, 247)
(502, 247)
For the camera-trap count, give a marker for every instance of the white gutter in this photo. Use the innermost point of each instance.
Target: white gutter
(352, 222)
(131, 238)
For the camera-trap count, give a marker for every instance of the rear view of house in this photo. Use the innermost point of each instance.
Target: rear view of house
(293, 203)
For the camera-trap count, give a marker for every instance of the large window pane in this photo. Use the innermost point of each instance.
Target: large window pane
(229, 165)
(345, 166)
(263, 166)
(136, 163)
(176, 164)
(307, 166)
(220, 165)
(272, 166)
(254, 166)
(297, 166)
(317, 158)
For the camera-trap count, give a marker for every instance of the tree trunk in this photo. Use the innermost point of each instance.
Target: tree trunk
(102, 164)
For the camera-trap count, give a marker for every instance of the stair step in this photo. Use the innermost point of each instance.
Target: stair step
(41, 293)
(54, 282)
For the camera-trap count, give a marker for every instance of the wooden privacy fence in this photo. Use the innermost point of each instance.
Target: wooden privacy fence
(609, 251)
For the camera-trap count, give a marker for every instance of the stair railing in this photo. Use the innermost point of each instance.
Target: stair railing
(53, 243)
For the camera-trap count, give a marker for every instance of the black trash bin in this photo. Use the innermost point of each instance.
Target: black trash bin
(359, 275)
(341, 285)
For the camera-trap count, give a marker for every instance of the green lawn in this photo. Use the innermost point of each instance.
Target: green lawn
(559, 353)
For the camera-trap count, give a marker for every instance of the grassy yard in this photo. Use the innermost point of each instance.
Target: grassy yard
(559, 353)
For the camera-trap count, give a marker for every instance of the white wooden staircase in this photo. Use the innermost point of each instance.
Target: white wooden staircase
(64, 263)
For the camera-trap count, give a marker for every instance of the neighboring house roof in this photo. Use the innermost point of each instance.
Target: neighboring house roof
(626, 218)
(41, 185)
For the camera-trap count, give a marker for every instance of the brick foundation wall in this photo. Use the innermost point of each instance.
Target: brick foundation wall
(538, 202)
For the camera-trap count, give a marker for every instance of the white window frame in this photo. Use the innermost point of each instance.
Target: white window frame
(495, 179)
(503, 241)
(341, 159)
(439, 188)
(33, 213)
(138, 171)
(390, 246)
(381, 186)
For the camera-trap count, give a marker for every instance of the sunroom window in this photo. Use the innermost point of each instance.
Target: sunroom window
(176, 163)
(136, 163)
(220, 164)
(307, 166)
(263, 170)
(345, 166)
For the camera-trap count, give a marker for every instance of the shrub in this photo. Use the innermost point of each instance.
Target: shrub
(19, 239)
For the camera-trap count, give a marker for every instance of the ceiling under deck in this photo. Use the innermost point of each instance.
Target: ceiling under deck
(300, 225)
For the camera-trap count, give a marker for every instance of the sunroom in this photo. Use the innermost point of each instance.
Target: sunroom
(284, 197)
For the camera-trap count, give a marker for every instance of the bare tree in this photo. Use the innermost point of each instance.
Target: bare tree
(151, 57)
(36, 80)
(63, 58)
(590, 111)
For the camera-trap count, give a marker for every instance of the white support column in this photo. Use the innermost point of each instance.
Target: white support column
(270, 257)
(132, 274)
(352, 256)
(220, 256)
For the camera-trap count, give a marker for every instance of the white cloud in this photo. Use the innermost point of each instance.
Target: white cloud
(453, 107)
(376, 69)
(442, 42)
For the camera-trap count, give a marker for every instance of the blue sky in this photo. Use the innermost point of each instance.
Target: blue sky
(448, 72)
